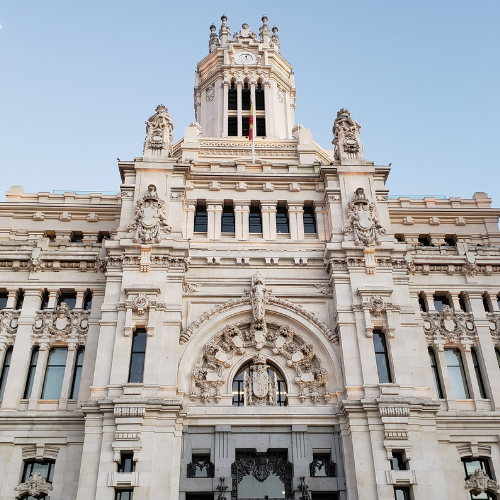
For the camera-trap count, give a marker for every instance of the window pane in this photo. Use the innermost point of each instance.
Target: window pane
(457, 375)
(261, 126)
(232, 99)
(200, 219)
(255, 220)
(245, 97)
(136, 373)
(31, 374)
(245, 125)
(440, 302)
(282, 220)
(68, 298)
(228, 219)
(232, 126)
(5, 371)
(309, 220)
(75, 386)
(381, 358)
(54, 373)
(435, 374)
(259, 98)
(3, 300)
(479, 377)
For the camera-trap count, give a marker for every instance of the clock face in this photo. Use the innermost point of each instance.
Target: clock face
(246, 58)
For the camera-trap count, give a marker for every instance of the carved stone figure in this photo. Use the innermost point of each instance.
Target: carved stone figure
(346, 137)
(260, 387)
(150, 221)
(362, 221)
(259, 296)
(479, 482)
(34, 486)
(159, 139)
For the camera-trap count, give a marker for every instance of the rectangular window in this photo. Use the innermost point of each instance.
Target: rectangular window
(486, 303)
(260, 102)
(200, 466)
(309, 220)
(77, 374)
(479, 377)
(261, 126)
(282, 225)
(397, 461)
(228, 218)
(435, 373)
(44, 302)
(124, 494)
(45, 468)
(103, 236)
(54, 373)
(31, 373)
(322, 466)
(232, 126)
(245, 97)
(200, 218)
(232, 99)
(5, 371)
(137, 357)
(245, 126)
(127, 463)
(19, 300)
(255, 220)
(498, 357)
(76, 237)
(440, 301)
(457, 375)
(381, 357)
(449, 241)
(462, 303)
(4, 296)
(69, 298)
(87, 300)
(424, 241)
(402, 493)
(422, 304)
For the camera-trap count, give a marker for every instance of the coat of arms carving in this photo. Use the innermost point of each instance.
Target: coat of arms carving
(150, 221)
(260, 387)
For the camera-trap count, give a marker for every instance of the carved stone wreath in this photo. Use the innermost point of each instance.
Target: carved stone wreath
(149, 222)
(449, 327)
(34, 486)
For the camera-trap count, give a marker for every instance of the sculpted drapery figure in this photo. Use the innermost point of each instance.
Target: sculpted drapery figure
(259, 295)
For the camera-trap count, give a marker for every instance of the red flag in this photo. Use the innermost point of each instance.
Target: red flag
(250, 133)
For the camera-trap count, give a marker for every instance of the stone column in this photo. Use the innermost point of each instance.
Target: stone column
(80, 293)
(190, 207)
(214, 213)
(239, 100)
(268, 211)
(226, 84)
(296, 218)
(12, 299)
(53, 296)
(321, 221)
(241, 219)
(21, 353)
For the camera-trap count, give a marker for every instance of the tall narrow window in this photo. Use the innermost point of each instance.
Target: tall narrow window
(440, 301)
(309, 220)
(19, 300)
(77, 374)
(382, 358)
(255, 219)
(422, 303)
(124, 494)
(402, 493)
(44, 302)
(232, 126)
(260, 103)
(45, 468)
(228, 218)
(200, 218)
(497, 351)
(282, 225)
(435, 373)
(5, 371)
(54, 373)
(69, 298)
(127, 463)
(462, 303)
(4, 296)
(261, 126)
(31, 373)
(245, 97)
(137, 357)
(245, 126)
(397, 461)
(486, 303)
(87, 300)
(457, 374)
(232, 98)
(479, 377)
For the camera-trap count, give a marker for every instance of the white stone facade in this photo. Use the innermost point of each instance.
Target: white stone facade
(181, 257)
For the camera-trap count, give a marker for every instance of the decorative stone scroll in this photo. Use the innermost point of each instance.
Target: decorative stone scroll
(449, 327)
(150, 221)
(61, 325)
(34, 486)
(346, 137)
(376, 306)
(8, 325)
(494, 319)
(140, 305)
(159, 139)
(479, 482)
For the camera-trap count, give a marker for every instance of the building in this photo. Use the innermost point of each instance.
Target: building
(229, 327)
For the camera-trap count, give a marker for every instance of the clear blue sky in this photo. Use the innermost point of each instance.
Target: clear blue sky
(79, 78)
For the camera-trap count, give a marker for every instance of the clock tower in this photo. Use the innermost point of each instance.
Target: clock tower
(239, 68)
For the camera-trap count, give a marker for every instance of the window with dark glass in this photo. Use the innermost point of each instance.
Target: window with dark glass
(232, 126)
(402, 493)
(381, 357)
(137, 357)
(31, 373)
(435, 373)
(422, 303)
(440, 301)
(477, 369)
(282, 225)
(498, 301)
(200, 218)
(102, 236)
(245, 97)
(228, 218)
(309, 220)
(5, 371)
(76, 237)
(424, 241)
(397, 461)
(239, 393)
(45, 468)
(232, 98)
(462, 303)
(200, 466)
(19, 299)
(127, 463)
(261, 126)
(260, 103)
(124, 494)
(497, 351)
(69, 298)
(77, 373)
(322, 466)
(457, 374)
(255, 219)
(400, 238)
(4, 296)
(44, 302)
(471, 465)
(87, 300)
(449, 241)
(486, 303)
(54, 373)
(245, 126)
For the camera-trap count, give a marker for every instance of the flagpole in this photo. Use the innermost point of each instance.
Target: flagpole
(253, 131)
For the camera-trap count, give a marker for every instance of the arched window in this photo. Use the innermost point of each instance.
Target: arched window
(232, 100)
(245, 97)
(239, 391)
(259, 98)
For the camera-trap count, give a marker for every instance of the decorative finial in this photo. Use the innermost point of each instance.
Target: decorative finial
(223, 19)
(275, 39)
(264, 32)
(214, 39)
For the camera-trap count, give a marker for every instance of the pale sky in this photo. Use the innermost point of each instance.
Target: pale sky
(78, 80)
